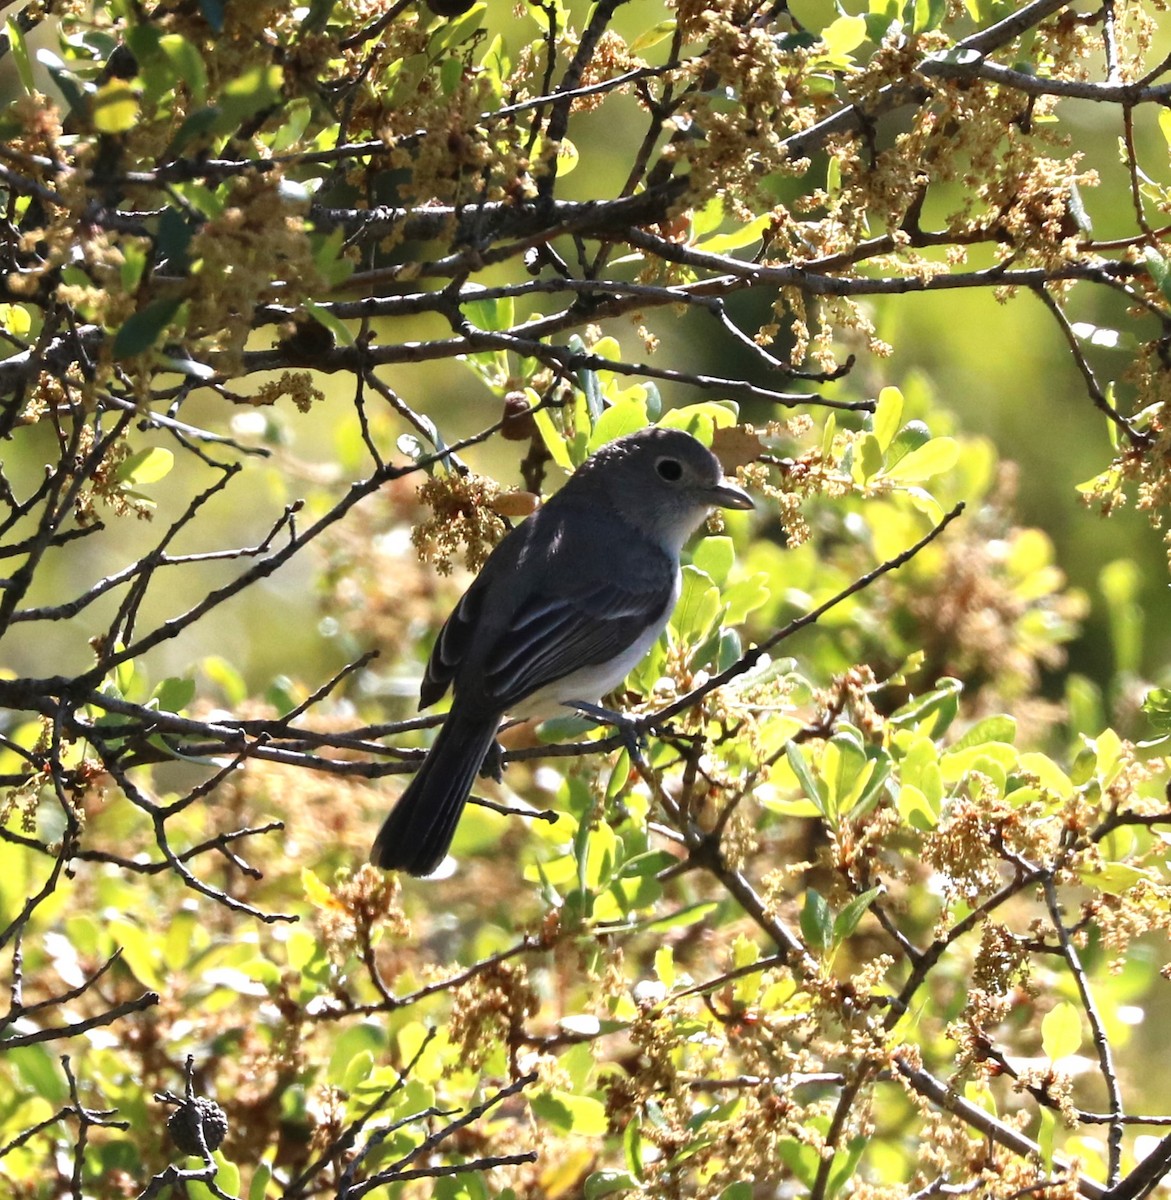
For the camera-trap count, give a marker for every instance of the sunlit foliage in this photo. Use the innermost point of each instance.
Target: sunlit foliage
(300, 308)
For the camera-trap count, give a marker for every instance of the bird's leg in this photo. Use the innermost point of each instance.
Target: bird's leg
(627, 729)
(493, 765)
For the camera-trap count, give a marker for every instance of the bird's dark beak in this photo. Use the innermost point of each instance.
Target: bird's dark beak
(727, 494)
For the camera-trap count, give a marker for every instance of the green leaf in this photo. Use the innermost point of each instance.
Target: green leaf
(813, 788)
(702, 419)
(601, 855)
(888, 412)
(707, 219)
(802, 1159)
(329, 257)
(938, 706)
(627, 416)
(869, 460)
(926, 15)
(841, 36)
(450, 73)
(999, 728)
(261, 1175)
(20, 55)
(1061, 1030)
(147, 466)
(174, 237)
(133, 265)
(915, 809)
(1159, 270)
(730, 649)
(847, 920)
(353, 1054)
(40, 1072)
(845, 770)
(316, 892)
(15, 319)
(227, 678)
(336, 326)
(1157, 707)
(653, 36)
(698, 608)
(115, 106)
(607, 1183)
(174, 694)
(185, 58)
(551, 436)
(228, 1176)
(844, 1165)
(1115, 879)
(912, 435)
(144, 328)
(1165, 125)
(357, 1071)
(746, 596)
(724, 243)
(244, 95)
(715, 557)
(581, 1115)
(933, 458)
(213, 13)
(460, 29)
(817, 924)
(691, 914)
(493, 314)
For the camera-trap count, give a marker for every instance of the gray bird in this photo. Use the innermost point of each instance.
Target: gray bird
(564, 607)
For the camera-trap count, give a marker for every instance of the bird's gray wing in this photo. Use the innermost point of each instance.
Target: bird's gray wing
(558, 594)
(551, 636)
(456, 639)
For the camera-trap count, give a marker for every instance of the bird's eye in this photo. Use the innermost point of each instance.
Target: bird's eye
(670, 469)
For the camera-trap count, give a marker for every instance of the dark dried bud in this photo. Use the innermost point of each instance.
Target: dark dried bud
(519, 425)
(183, 1125)
(307, 341)
(449, 8)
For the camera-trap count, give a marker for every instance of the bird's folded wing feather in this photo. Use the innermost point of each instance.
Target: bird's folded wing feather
(562, 618)
(451, 646)
(551, 636)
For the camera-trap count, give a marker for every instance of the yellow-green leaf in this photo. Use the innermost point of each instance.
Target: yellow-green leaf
(888, 412)
(932, 458)
(652, 36)
(581, 1115)
(1061, 1030)
(842, 36)
(722, 243)
(20, 55)
(553, 440)
(115, 106)
(147, 466)
(15, 319)
(316, 892)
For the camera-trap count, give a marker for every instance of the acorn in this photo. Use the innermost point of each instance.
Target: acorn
(184, 1123)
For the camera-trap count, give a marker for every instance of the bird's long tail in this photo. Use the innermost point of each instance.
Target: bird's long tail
(416, 835)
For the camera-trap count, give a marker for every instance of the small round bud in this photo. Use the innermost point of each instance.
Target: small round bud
(183, 1125)
(519, 425)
